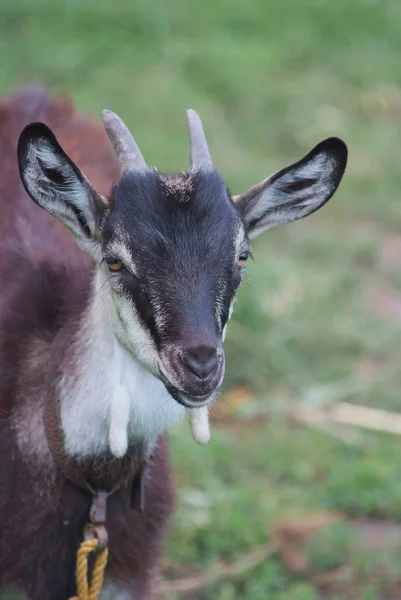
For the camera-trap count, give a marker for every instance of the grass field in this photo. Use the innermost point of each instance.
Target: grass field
(319, 317)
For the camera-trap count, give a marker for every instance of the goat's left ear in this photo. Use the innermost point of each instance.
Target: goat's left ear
(296, 191)
(55, 182)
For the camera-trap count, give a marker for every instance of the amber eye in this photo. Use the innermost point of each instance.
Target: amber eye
(114, 264)
(242, 260)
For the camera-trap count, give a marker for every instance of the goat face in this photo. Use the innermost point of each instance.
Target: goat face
(177, 243)
(171, 249)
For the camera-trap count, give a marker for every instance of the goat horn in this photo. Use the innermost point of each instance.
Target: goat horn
(200, 155)
(128, 154)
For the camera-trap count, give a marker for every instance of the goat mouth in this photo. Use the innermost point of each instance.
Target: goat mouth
(189, 401)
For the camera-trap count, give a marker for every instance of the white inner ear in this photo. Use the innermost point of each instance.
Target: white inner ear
(278, 203)
(56, 198)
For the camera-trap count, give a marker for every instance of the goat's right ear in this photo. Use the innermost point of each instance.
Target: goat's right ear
(55, 183)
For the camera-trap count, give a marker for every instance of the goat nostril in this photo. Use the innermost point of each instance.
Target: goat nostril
(201, 361)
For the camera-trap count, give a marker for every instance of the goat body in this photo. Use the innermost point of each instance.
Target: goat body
(120, 340)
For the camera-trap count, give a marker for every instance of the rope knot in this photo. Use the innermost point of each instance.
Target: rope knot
(95, 540)
(85, 590)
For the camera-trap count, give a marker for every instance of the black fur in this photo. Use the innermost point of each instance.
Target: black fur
(180, 232)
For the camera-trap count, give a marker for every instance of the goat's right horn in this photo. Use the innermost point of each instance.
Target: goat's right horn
(128, 154)
(200, 155)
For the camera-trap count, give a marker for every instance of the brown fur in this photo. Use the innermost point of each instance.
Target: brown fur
(44, 281)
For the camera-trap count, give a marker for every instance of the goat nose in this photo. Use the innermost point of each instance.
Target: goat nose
(201, 361)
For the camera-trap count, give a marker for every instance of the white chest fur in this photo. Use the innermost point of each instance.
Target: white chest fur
(115, 402)
(107, 397)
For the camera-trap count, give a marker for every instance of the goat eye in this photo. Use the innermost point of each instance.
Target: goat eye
(114, 264)
(242, 260)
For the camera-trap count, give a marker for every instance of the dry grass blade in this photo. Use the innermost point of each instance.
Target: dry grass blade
(220, 571)
(350, 414)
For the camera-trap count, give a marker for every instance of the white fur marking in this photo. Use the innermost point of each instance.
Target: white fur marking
(107, 380)
(122, 251)
(119, 421)
(199, 421)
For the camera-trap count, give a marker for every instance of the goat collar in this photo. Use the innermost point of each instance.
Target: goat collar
(106, 474)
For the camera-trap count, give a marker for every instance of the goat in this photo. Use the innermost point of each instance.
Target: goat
(118, 335)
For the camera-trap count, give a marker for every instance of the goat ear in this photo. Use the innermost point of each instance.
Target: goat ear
(297, 191)
(55, 183)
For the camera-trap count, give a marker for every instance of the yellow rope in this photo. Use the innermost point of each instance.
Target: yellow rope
(84, 590)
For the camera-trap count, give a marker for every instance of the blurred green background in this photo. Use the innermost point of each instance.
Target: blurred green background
(318, 320)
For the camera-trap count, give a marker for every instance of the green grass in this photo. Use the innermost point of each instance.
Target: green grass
(319, 317)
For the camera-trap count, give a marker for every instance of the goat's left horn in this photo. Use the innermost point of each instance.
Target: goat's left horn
(200, 155)
(128, 154)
